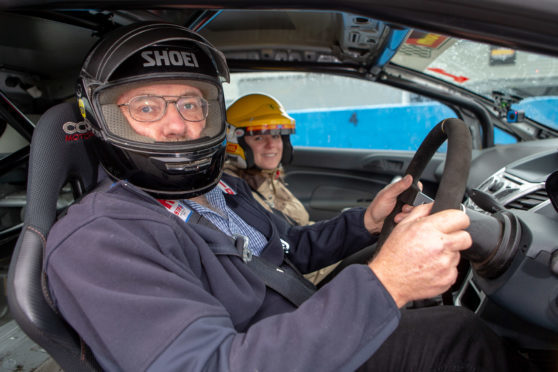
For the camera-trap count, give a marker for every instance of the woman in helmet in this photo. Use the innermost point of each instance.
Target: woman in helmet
(258, 145)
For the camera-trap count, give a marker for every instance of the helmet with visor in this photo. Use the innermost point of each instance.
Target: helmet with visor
(132, 59)
(252, 115)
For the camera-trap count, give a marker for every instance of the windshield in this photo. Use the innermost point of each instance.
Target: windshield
(526, 81)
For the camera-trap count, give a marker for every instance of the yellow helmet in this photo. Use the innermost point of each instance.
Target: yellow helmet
(256, 114)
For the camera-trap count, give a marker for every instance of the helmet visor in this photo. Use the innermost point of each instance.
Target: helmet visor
(126, 107)
(273, 129)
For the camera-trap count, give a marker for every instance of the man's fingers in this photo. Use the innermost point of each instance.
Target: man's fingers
(458, 241)
(450, 220)
(394, 189)
(405, 210)
(419, 211)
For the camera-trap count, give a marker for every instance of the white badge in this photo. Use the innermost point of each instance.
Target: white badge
(226, 188)
(177, 208)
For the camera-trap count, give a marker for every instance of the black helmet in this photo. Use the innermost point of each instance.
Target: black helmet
(145, 54)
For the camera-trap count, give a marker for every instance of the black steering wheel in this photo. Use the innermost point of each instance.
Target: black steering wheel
(456, 170)
(512, 251)
(451, 189)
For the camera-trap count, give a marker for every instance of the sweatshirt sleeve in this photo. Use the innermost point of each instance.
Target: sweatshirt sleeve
(336, 330)
(326, 242)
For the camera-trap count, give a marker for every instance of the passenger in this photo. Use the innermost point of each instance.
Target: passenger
(258, 144)
(196, 289)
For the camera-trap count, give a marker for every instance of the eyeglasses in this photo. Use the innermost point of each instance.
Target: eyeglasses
(153, 108)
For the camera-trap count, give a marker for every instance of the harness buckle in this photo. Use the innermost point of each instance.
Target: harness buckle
(286, 246)
(241, 243)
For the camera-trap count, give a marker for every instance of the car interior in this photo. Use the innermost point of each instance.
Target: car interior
(456, 94)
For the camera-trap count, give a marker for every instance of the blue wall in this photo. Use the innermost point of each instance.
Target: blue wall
(390, 127)
(541, 109)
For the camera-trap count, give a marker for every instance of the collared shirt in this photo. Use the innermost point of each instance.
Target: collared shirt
(227, 221)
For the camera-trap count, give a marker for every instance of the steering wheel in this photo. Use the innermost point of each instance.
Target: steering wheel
(513, 255)
(456, 170)
(451, 189)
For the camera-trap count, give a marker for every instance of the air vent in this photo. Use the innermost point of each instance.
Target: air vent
(512, 179)
(528, 201)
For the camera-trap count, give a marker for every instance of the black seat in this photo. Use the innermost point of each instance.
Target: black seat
(59, 154)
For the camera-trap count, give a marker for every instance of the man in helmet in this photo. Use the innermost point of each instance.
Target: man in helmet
(258, 143)
(148, 288)
(185, 167)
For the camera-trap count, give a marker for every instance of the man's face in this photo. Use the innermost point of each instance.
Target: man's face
(171, 127)
(267, 149)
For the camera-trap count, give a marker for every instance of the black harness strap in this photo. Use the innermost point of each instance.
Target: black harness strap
(282, 279)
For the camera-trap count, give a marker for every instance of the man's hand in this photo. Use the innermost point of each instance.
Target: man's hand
(383, 204)
(419, 259)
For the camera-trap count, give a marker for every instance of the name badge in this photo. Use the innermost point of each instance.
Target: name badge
(177, 208)
(226, 188)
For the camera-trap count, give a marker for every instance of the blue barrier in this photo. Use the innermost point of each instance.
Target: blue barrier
(501, 137)
(382, 127)
(541, 109)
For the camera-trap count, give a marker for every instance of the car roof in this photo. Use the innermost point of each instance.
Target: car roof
(514, 23)
(47, 40)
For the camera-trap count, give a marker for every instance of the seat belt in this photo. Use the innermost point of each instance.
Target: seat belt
(282, 279)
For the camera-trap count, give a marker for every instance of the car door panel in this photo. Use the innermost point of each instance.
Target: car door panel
(328, 180)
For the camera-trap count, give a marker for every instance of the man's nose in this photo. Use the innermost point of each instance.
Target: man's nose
(176, 127)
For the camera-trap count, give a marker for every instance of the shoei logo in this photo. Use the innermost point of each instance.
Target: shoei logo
(169, 58)
(77, 131)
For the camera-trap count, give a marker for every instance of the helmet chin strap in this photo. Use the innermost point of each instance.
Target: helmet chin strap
(287, 155)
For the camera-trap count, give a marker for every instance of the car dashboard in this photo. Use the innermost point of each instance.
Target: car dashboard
(522, 301)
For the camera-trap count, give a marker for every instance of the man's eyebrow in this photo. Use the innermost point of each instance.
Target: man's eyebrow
(192, 94)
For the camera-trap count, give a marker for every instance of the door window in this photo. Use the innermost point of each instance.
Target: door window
(343, 112)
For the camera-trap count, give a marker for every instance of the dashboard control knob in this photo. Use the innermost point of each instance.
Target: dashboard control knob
(496, 186)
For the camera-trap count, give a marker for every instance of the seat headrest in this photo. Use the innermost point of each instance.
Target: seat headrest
(60, 152)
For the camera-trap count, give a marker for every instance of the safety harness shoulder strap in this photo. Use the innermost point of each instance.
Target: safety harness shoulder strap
(282, 279)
